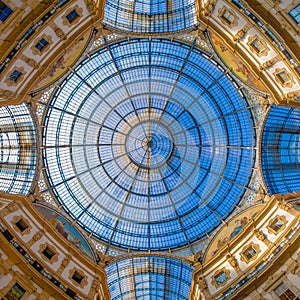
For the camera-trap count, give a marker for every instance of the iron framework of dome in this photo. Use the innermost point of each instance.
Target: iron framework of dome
(149, 277)
(148, 144)
(17, 149)
(148, 16)
(280, 150)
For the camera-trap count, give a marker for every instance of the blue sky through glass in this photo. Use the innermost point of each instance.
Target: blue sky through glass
(281, 150)
(149, 277)
(148, 144)
(150, 16)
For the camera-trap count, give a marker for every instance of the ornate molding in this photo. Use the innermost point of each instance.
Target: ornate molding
(94, 291)
(209, 7)
(203, 286)
(258, 46)
(54, 257)
(277, 224)
(17, 219)
(228, 17)
(262, 237)
(268, 64)
(58, 31)
(91, 6)
(283, 204)
(35, 238)
(7, 95)
(241, 33)
(250, 252)
(221, 272)
(283, 77)
(65, 262)
(29, 61)
(35, 50)
(9, 208)
(79, 12)
(293, 96)
(233, 262)
(10, 82)
(202, 283)
(83, 281)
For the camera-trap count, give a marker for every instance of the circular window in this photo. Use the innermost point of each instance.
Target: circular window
(148, 144)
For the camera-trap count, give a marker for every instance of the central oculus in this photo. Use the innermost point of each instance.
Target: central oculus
(149, 144)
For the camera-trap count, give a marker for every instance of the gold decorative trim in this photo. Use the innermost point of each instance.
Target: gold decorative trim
(284, 77)
(79, 12)
(252, 247)
(83, 282)
(233, 262)
(293, 96)
(218, 273)
(228, 17)
(54, 258)
(29, 61)
(268, 64)
(295, 204)
(35, 50)
(91, 6)
(64, 263)
(201, 282)
(9, 208)
(10, 82)
(209, 7)
(11, 290)
(262, 237)
(35, 238)
(272, 224)
(241, 33)
(16, 219)
(59, 33)
(258, 46)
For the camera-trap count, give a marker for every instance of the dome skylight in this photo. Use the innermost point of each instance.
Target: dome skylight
(148, 144)
(150, 16)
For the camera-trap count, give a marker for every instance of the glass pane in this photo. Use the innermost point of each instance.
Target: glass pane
(17, 149)
(151, 277)
(150, 16)
(280, 150)
(148, 139)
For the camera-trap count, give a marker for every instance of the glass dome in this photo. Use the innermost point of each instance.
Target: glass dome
(149, 277)
(150, 16)
(18, 156)
(280, 150)
(148, 144)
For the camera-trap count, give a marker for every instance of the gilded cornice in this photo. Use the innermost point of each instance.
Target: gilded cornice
(253, 228)
(21, 27)
(276, 90)
(274, 23)
(24, 203)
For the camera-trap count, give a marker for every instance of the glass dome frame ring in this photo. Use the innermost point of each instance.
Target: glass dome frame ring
(216, 122)
(146, 144)
(120, 187)
(171, 100)
(114, 108)
(193, 101)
